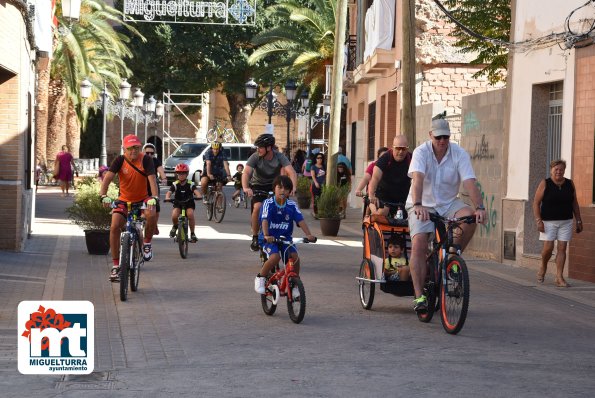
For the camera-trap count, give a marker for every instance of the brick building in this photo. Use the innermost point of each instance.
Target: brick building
(17, 85)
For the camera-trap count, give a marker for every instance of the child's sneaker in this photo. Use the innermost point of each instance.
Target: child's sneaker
(173, 231)
(147, 252)
(114, 275)
(259, 283)
(193, 237)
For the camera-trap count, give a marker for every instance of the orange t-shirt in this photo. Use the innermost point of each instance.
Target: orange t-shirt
(133, 185)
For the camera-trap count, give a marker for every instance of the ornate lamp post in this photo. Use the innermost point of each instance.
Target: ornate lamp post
(272, 105)
(138, 103)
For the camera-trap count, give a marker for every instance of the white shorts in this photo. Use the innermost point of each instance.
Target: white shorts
(560, 230)
(417, 227)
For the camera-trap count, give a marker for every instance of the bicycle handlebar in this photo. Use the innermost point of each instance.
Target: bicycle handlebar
(284, 240)
(457, 220)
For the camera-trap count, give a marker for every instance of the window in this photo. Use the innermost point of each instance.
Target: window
(371, 130)
(554, 125)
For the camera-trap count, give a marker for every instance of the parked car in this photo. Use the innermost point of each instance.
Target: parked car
(192, 154)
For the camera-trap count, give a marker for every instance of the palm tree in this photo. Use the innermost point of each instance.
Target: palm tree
(90, 48)
(302, 42)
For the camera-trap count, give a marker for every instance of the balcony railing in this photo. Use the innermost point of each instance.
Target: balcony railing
(351, 53)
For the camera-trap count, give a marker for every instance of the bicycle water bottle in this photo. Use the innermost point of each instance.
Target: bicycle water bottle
(399, 215)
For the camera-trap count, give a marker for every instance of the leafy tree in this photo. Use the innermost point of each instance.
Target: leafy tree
(490, 19)
(301, 43)
(195, 58)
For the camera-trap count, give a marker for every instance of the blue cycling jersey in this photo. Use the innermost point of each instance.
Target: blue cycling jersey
(280, 218)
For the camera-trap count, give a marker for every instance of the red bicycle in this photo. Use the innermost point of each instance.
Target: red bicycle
(285, 282)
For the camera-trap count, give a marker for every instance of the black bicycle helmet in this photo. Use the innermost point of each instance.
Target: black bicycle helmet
(264, 140)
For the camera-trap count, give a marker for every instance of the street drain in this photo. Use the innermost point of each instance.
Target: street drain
(93, 381)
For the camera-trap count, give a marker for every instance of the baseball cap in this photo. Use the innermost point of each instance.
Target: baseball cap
(131, 140)
(440, 127)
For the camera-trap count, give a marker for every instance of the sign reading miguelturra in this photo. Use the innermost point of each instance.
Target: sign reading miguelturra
(228, 12)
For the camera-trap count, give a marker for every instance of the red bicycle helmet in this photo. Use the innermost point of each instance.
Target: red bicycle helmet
(182, 168)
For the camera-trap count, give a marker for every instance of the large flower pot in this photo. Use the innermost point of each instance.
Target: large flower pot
(97, 241)
(304, 201)
(330, 226)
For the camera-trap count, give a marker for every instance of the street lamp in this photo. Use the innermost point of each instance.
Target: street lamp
(86, 93)
(124, 96)
(272, 105)
(313, 120)
(138, 103)
(71, 9)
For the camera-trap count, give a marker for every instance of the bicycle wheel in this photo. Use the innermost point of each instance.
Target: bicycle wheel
(209, 206)
(296, 306)
(430, 290)
(454, 295)
(267, 303)
(237, 201)
(228, 135)
(124, 265)
(366, 289)
(137, 261)
(219, 206)
(183, 238)
(211, 135)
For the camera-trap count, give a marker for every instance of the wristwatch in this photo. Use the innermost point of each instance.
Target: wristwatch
(480, 207)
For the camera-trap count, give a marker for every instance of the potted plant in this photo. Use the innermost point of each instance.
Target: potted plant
(303, 194)
(329, 208)
(88, 212)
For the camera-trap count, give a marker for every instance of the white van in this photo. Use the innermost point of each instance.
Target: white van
(192, 154)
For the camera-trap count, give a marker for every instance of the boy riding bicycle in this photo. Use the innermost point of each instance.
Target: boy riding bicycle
(183, 191)
(277, 217)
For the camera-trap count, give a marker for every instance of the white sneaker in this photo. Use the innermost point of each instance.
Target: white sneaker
(295, 293)
(259, 283)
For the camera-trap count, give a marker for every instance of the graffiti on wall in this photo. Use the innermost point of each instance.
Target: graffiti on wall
(470, 122)
(491, 212)
(482, 150)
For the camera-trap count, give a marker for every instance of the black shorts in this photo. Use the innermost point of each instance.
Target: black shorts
(260, 196)
(189, 205)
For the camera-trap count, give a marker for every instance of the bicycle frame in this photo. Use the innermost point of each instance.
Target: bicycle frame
(282, 274)
(444, 236)
(134, 224)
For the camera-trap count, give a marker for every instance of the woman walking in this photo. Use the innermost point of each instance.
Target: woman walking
(318, 172)
(63, 166)
(553, 207)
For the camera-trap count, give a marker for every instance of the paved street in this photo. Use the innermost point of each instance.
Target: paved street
(196, 328)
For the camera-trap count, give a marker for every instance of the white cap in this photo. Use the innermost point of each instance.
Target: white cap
(440, 127)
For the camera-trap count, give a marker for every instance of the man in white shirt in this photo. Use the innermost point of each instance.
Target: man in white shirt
(437, 169)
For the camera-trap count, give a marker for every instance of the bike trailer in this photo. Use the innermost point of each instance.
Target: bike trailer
(377, 231)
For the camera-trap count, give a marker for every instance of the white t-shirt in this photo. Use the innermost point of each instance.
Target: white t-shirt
(441, 180)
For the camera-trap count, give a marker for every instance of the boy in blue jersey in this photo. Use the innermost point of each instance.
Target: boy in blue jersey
(277, 217)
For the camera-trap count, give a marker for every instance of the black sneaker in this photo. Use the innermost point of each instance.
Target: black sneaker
(173, 231)
(254, 245)
(114, 275)
(421, 304)
(193, 237)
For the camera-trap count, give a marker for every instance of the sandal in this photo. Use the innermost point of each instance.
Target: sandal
(562, 283)
(540, 277)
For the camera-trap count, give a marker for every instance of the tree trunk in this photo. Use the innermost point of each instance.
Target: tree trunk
(41, 114)
(56, 132)
(73, 131)
(239, 112)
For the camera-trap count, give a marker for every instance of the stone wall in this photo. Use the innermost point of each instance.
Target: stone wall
(482, 135)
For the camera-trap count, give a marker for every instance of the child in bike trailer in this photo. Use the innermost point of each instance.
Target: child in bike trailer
(237, 181)
(276, 218)
(395, 265)
(183, 190)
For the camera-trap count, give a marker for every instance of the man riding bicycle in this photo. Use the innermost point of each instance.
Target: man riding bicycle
(437, 169)
(216, 168)
(390, 182)
(261, 169)
(133, 169)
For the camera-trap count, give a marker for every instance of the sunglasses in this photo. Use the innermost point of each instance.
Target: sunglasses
(133, 148)
(400, 148)
(319, 158)
(441, 137)
(149, 152)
